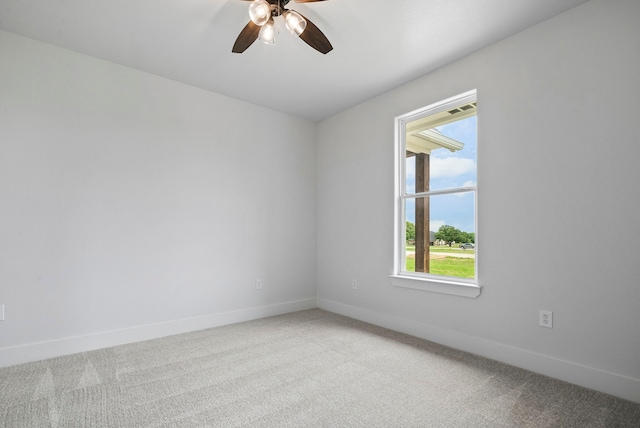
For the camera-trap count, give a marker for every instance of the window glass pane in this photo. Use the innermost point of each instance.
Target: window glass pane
(440, 235)
(410, 180)
(441, 151)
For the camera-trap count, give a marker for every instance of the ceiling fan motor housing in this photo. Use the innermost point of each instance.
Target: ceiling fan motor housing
(277, 6)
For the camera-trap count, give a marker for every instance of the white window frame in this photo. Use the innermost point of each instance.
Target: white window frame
(420, 280)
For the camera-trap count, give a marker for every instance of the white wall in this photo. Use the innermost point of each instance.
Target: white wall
(133, 206)
(559, 143)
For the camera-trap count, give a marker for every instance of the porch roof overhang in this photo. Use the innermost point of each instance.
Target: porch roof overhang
(424, 137)
(431, 139)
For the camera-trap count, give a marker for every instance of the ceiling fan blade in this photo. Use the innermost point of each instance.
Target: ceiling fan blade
(315, 38)
(247, 36)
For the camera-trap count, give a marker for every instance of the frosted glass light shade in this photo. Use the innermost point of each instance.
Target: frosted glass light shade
(295, 22)
(260, 12)
(268, 33)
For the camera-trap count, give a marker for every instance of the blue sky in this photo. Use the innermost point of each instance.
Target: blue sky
(450, 170)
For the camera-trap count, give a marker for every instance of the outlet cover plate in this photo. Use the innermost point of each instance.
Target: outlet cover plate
(546, 319)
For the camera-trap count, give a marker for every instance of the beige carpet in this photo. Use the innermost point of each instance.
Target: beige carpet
(307, 369)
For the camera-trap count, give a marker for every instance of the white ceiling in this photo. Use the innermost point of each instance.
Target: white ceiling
(378, 44)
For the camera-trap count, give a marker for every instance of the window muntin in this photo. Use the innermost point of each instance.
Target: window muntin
(437, 192)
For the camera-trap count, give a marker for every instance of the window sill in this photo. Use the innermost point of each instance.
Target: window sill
(454, 288)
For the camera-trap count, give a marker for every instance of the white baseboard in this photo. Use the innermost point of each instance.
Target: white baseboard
(71, 345)
(588, 377)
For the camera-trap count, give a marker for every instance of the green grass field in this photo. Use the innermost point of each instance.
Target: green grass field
(449, 266)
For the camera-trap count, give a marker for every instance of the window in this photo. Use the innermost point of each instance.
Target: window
(436, 198)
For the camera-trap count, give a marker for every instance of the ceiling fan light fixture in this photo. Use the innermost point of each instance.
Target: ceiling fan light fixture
(294, 22)
(262, 27)
(260, 12)
(268, 33)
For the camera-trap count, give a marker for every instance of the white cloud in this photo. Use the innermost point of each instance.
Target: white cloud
(451, 167)
(434, 225)
(410, 171)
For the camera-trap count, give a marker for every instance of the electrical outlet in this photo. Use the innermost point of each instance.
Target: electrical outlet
(354, 284)
(1, 312)
(546, 319)
(258, 284)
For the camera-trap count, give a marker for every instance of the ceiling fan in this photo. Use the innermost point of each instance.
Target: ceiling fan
(262, 26)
